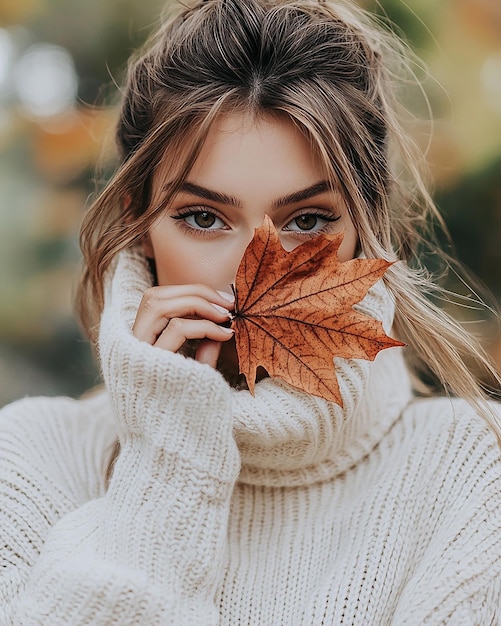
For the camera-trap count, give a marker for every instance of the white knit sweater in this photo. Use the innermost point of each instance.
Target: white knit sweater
(229, 509)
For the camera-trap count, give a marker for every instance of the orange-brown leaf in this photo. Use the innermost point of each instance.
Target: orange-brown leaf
(293, 311)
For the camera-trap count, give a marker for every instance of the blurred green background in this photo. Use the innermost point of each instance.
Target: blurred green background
(59, 58)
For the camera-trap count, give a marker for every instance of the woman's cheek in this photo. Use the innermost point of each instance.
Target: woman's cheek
(214, 266)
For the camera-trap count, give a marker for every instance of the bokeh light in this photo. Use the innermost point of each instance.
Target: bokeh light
(491, 80)
(45, 80)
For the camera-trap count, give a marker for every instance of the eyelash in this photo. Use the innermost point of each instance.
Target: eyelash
(208, 232)
(200, 232)
(328, 219)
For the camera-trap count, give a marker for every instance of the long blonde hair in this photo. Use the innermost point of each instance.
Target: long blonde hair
(336, 74)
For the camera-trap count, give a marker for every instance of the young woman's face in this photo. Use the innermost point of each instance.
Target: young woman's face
(246, 169)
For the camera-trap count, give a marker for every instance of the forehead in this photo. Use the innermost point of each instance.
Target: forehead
(264, 149)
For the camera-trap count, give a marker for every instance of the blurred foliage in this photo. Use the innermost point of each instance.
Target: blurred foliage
(47, 162)
(472, 210)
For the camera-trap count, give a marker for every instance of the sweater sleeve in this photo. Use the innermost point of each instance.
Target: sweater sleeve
(53, 458)
(150, 550)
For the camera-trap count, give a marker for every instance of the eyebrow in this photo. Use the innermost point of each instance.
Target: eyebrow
(303, 194)
(209, 194)
(222, 198)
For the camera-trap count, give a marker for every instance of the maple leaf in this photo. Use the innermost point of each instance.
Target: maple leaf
(293, 311)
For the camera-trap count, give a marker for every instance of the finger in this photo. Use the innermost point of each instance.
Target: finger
(154, 313)
(180, 329)
(180, 291)
(208, 352)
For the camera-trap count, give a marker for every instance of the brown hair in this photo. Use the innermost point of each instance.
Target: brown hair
(328, 68)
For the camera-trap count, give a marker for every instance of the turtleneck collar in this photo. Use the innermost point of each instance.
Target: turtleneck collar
(287, 437)
(319, 440)
(283, 446)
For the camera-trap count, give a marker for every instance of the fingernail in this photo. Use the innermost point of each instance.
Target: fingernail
(230, 331)
(227, 296)
(221, 309)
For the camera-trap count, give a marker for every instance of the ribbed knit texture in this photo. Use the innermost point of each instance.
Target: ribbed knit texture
(227, 508)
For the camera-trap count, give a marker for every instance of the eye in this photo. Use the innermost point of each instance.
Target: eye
(200, 220)
(306, 222)
(310, 222)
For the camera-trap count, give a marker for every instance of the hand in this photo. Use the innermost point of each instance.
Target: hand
(169, 315)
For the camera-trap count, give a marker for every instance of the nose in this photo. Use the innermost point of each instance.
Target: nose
(232, 258)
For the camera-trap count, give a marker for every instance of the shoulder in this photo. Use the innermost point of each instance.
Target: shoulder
(454, 446)
(62, 414)
(453, 465)
(61, 436)
(453, 418)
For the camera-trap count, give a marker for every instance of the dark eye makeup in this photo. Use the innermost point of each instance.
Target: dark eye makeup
(204, 221)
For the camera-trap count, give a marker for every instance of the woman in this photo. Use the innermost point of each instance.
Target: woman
(218, 506)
